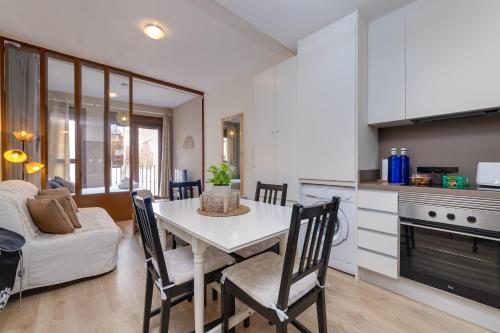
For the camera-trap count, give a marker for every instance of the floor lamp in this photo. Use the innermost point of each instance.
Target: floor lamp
(19, 156)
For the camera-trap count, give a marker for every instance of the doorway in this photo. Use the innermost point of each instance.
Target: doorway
(146, 158)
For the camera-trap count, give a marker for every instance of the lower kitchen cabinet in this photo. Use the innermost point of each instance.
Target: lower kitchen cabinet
(378, 232)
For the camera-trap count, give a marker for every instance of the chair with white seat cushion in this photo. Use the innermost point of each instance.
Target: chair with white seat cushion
(171, 272)
(278, 288)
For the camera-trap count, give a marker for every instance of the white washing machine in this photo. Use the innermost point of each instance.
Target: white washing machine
(343, 253)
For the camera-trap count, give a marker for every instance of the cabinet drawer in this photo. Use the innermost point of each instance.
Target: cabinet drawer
(378, 263)
(378, 221)
(376, 241)
(386, 201)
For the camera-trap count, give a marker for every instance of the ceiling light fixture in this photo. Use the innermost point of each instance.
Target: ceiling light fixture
(112, 94)
(154, 31)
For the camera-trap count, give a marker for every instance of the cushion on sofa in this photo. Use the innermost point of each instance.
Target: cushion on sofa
(15, 193)
(61, 190)
(49, 216)
(65, 201)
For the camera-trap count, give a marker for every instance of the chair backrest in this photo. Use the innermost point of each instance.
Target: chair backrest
(150, 238)
(321, 219)
(185, 189)
(271, 193)
(143, 193)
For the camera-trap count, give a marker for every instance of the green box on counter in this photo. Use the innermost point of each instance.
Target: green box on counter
(456, 181)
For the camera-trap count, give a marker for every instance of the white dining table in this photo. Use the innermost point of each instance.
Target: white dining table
(228, 234)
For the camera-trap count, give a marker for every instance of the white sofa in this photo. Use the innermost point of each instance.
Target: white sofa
(51, 259)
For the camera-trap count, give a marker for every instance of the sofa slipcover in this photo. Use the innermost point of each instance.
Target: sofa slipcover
(52, 259)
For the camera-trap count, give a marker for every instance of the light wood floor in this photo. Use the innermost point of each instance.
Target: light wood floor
(114, 303)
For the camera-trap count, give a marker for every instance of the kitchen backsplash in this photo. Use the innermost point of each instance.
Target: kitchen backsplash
(454, 142)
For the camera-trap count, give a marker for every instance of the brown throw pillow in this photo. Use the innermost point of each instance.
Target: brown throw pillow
(65, 202)
(49, 216)
(61, 190)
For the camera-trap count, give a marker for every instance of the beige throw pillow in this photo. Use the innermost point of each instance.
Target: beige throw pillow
(65, 202)
(61, 190)
(49, 216)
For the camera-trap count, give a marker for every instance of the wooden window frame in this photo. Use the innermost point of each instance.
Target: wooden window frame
(78, 62)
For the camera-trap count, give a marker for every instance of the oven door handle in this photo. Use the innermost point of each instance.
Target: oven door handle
(411, 224)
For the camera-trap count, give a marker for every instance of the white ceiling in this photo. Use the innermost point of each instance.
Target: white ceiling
(60, 78)
(288, 21)
(206, 45)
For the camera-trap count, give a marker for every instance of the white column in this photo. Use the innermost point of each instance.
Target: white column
(198, 247)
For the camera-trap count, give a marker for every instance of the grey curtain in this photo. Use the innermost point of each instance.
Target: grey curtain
(58, 139)
(166, 156)
(23, 105)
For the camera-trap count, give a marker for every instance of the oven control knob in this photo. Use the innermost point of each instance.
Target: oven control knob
(432, 213)
(471, 219)
(450, 216)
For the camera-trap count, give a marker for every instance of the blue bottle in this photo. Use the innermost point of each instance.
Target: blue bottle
(394, 167)
(405, 167)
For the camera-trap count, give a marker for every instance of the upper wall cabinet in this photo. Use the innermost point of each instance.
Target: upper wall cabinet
(452, 56)
(386, 69)
(327, 64)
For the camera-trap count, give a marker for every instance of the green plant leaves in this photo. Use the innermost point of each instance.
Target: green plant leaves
(221, 174)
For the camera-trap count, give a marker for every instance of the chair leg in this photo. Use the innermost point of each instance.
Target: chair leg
(282, 328)
(165, 315)
(174, 242)
(321, 311)
(228, 309)
(148, 298)
(215, 295)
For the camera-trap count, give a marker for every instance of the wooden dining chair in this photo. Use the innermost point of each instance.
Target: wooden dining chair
(171, 272)
(184, 191)
(278, 288)
(270, 196)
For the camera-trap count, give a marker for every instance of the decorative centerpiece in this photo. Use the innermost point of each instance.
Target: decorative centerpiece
(221, 201)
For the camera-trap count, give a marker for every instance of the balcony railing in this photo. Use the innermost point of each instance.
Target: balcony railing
(149, 178)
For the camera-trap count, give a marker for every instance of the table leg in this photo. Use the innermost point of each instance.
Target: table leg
(283, 241)
(198, 247)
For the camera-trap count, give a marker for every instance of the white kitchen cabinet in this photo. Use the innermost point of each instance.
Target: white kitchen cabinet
(386, 69)
(275, 126)
(286, 127)
(327, 92)
(265, 118)
(452, 56)
(378, 231)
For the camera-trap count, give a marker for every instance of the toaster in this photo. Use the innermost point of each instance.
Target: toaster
(488, 176)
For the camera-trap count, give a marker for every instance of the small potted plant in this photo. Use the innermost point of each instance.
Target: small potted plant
(221, 177)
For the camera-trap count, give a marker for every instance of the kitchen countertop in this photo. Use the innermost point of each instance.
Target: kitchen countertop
(384, 186)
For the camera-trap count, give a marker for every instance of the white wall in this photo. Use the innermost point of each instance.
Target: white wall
(229, 99)
(186, 120)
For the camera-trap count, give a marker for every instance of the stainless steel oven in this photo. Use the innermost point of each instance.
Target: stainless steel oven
(452, 243)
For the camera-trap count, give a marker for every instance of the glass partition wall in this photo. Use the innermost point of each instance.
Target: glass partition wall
(119, 127)
(98, 131)
(61, 129)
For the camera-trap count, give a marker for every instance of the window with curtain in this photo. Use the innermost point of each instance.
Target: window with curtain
(22, 100)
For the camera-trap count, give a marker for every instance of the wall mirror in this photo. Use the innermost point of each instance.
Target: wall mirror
(232, 148)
